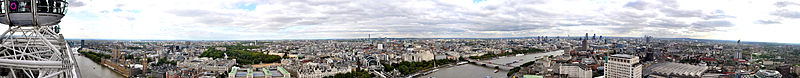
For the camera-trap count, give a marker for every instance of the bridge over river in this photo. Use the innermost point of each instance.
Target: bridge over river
(508, 62)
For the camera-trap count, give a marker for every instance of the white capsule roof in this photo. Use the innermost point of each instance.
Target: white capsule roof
(32, 12)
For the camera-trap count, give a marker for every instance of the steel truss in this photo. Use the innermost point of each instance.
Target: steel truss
(36, 52)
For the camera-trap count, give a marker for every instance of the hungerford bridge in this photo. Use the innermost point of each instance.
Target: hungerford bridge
(32, 46)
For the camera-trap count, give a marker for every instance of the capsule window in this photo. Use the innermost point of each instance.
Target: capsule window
(26, 6)
(3, 10)
(63, 7)
(43, 6)
(19, 6)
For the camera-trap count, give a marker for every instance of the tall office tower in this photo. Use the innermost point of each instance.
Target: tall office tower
(601, 37)
(623, 66)
(586, 43)
(593, 36)
(539, 38)
(545, 39)
(647, 38)
(738, 50)
(83, 44)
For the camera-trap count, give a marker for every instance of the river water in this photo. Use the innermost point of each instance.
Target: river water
(467, 71)
(90, 69)
(525, 58)
(477, 71)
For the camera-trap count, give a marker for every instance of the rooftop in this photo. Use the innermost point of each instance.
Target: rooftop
(768, 72)
(622, 55)
(670, 68)
(532, 76)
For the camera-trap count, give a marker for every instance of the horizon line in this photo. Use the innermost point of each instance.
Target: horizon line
(398, 38)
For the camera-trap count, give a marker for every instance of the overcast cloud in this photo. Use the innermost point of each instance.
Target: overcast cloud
(756, 20)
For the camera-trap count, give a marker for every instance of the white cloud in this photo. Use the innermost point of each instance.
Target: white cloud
(301, 19)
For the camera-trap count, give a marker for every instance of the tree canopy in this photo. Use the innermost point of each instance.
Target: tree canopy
(241, 55)
(354, 74)
(413, 67)
(96, 57)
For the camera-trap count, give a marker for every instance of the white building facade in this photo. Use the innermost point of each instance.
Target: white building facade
(623, 66)
(574, 71)
(419, 56)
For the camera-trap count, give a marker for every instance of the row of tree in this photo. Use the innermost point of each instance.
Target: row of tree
(358, 73)
(96, 57)
(406, 68)
(242, 56)
(135, 48)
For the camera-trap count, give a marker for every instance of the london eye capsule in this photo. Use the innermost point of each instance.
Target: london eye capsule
(32, 12)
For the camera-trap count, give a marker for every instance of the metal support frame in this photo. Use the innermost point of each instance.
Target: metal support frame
(34, 11)
(35, 51)
(8, 12)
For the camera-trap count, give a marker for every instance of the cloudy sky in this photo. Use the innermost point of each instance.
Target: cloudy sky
(756, 20)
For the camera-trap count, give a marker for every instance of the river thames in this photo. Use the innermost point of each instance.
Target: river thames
(477, 71)
(90, 69)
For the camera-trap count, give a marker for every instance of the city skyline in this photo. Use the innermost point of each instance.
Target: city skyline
(760, 21)
(399, 39)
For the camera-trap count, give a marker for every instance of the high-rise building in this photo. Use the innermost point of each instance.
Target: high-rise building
(586, 43)
(380, 46)
(594, 36)
(647, 38)
(587, 36)
(601, 37)
(539, 38)
(83, 44)
(623, 66)
(738, 50)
